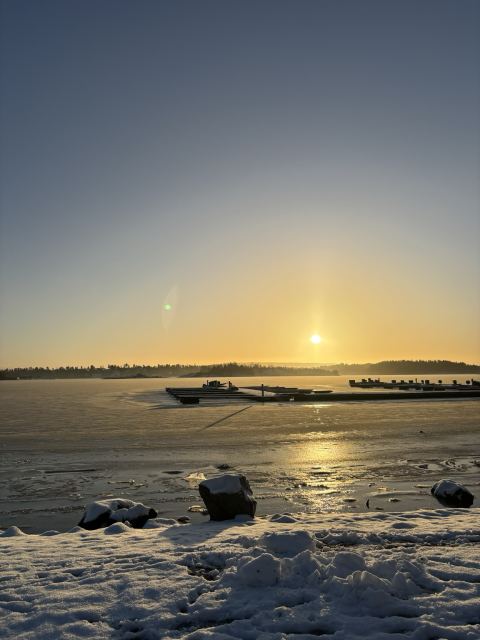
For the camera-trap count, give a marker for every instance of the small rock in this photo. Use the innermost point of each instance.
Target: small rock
(196, 508)
(160, 523)
(224, 466)
(183, 519)
(452, 494)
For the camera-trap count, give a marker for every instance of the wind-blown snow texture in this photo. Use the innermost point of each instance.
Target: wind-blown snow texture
(383, 575)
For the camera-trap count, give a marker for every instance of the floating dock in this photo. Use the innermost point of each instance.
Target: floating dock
(406, 385)
(227, 395)
(193, 395)
(372, 395)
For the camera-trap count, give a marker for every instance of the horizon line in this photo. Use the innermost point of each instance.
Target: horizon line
(247, 363)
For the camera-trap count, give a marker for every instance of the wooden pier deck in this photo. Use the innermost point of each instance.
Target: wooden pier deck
(193, 395)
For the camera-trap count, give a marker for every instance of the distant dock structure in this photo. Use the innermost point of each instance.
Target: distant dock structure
(219, 391)
(415, 385)
(216, 392)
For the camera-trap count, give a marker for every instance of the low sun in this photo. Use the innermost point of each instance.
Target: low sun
(315, 339)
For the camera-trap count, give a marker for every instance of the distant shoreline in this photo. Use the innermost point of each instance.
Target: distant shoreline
(234, 369)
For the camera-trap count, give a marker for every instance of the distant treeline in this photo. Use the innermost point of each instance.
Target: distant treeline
(161, 370)
(232, 369)
(111, 370)
(244, 370)
(387, 367)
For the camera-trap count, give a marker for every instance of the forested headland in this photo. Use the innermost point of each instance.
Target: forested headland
(234, 369)
(405, 367)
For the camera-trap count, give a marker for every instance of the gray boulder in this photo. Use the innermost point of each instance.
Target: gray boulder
(452, 494)
(106, 512)
(227, 497)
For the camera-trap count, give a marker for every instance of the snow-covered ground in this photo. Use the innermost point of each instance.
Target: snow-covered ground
(371, 575)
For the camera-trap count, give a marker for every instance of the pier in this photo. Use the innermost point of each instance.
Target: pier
(193, 395)
(266, 394)
(423, 385)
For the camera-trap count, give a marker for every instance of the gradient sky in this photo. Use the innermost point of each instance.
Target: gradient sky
(270, 169)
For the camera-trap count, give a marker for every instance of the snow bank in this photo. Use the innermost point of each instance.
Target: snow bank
(263, 571)
(378, 575)
(290, 543)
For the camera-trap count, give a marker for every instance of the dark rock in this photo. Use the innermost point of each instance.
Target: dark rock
(103, 520)
(452, 494)
(227, 496)
(183, 519)
(223, 466)
(138, 521)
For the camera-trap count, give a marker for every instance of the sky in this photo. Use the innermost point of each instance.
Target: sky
(268, 169)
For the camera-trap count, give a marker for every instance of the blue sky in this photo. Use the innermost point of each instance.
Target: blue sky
(284, 168)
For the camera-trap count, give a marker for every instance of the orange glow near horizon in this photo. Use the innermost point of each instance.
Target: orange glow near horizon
(226, 321)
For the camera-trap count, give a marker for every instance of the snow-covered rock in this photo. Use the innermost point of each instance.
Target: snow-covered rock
(106, 512)
(118, 527)
(160, 523)
(227, 496)
(11, 532)
(51, 532)
(452, 493)
(283, 519)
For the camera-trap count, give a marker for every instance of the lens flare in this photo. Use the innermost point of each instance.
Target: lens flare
(167, 307)
(315, 339)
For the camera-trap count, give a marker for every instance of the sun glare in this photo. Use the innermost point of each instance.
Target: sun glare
(315, 339)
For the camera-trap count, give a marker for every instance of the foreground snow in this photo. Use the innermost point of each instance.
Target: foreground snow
(380, 575)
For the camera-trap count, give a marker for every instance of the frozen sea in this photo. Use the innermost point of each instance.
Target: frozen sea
(66, 443)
